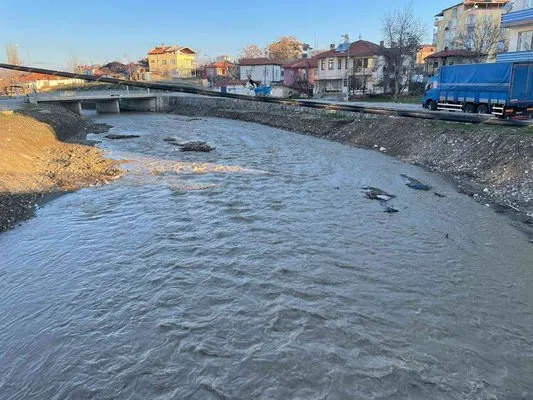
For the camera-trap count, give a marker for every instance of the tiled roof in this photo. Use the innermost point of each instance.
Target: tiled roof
(454, 53)
(258, 61)
(360, 48)
(231, 82)
(158, 50)
(220, 64)
(302, 63)
(32, 77)
(168, 49)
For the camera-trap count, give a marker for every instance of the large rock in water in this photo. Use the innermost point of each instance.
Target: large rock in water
(414, 183)
(374, 193)
(194, 146)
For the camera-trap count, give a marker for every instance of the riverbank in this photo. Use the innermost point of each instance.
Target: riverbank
(44, 152)
(494, 165)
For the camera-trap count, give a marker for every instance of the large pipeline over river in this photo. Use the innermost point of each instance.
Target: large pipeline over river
(442, 116)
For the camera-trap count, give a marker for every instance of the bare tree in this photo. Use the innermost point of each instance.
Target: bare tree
(251, 51)
(12, 54)
(484, 37)
(73, 63)
(403, 34)
(286, 48)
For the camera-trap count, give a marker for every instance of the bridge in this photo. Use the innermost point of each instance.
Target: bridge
(112, 104)
(105, 102)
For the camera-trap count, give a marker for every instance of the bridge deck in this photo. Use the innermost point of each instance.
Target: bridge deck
(91, 98)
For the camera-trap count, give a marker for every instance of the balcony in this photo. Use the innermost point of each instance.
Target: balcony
(517, 18)
(515, 56)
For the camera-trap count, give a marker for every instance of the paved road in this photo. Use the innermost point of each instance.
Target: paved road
(386, 105)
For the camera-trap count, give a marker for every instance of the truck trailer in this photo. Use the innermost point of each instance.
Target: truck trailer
(502, 89)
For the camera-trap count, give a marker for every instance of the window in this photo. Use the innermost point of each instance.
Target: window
(525, 41)
(173, 62)
(323, 65)
(164, 62)
(346, 63)
(152, 61)
(454, 12)
(339, 64)
(330, 64)
(345, 82)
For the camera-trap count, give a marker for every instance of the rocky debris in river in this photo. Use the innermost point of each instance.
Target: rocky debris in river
(194, 146)
(414, 183)
(170, 139)
(374, 193)
(439, 194)
(114, 137)
(391, 210)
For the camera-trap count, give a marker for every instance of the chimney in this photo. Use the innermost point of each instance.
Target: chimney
(332, 46)
(382, 43)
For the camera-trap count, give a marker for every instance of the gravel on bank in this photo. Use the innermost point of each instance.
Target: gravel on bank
(36, 165)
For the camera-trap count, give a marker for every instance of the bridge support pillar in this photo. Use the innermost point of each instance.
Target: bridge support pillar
(138, 104)
(108, 106)
(74, 106)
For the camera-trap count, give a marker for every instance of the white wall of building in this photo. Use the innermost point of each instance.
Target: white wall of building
(264, 73)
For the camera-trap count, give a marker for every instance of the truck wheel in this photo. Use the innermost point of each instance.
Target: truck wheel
(431, 105)
(482, 109)
(469, 108)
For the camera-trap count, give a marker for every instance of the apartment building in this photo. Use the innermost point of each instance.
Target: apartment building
(519, 24)
(172, 62)
(459, 26)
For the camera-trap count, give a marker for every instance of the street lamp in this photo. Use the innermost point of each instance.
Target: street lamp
(27, 53)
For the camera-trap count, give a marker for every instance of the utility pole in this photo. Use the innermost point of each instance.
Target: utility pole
(347, 40)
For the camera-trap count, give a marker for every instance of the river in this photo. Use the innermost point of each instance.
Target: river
(270, 278)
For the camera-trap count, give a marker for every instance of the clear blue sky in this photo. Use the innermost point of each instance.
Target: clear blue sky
(98, 31)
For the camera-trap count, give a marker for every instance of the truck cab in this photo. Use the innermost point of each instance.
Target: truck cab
(431, 93)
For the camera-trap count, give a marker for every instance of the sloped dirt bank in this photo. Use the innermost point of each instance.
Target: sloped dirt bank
(36, 161)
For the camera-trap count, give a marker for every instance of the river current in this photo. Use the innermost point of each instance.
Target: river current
(261, 271)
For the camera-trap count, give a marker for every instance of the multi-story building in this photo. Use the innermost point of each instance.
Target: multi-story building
(263, 70)
(456, 24)
(172, 62)
(519, 24)
(423, 51)
(361, 59)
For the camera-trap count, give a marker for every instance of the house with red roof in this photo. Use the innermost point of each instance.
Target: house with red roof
(172, 61)
(434, 61)
(362, 60)
(303, 69)
(220, 68)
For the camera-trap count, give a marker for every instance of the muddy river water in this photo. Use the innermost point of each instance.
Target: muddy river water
(261, 271)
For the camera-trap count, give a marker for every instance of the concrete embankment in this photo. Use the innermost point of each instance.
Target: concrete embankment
(35, 160)
(491, 164)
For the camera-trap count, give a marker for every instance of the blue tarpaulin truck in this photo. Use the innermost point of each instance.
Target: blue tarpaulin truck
(502, 89)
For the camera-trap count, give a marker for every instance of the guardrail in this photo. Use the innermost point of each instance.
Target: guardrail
(435, 115)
